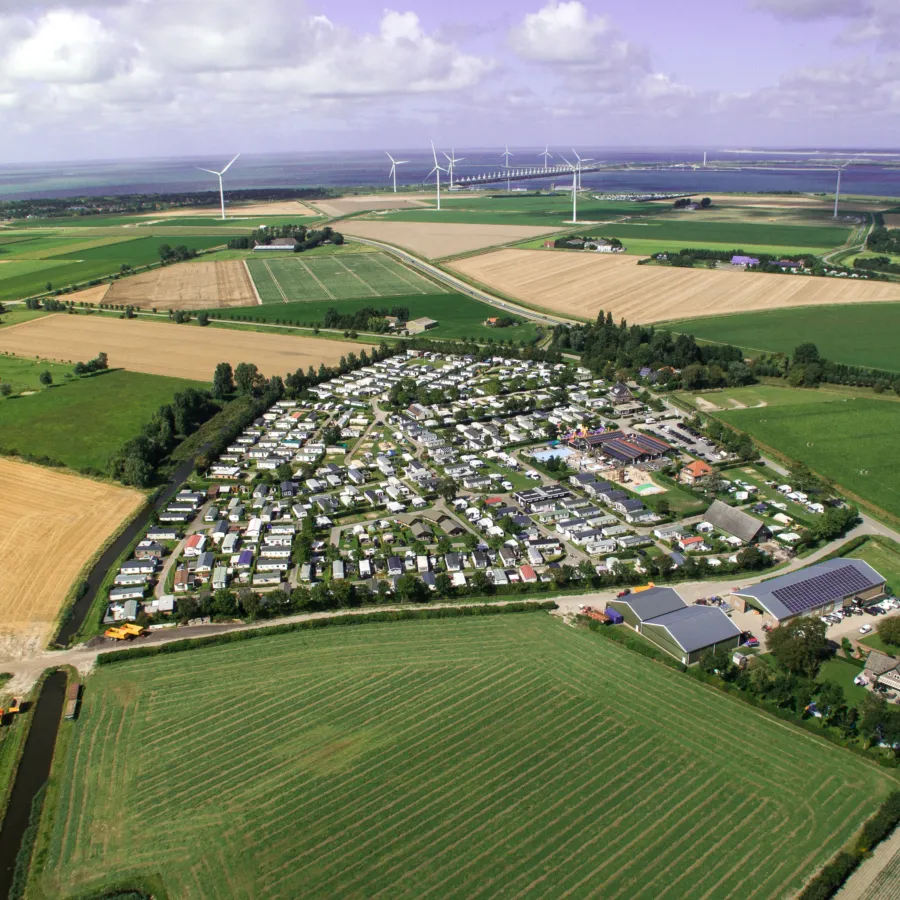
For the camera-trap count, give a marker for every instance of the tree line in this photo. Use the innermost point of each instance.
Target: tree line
(304, 238)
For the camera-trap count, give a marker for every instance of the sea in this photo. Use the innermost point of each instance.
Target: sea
(875, 173)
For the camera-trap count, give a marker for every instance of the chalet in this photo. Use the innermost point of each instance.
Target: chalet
(694, 472)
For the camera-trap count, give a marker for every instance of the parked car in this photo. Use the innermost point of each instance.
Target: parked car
(865, 629)
(750, 640)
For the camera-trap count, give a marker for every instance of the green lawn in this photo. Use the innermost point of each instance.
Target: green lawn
(842, 673)
(484, 757)
(23, 374)
(15, 315)
(81, 423)
(851, 441)
(883, 555)
(774, 395)
(861, 334)
(141, 250)
(458, 316)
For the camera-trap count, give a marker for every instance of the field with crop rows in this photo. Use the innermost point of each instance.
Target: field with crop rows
(851, 441)
(858, 335)
(360, 275)
(476, 758)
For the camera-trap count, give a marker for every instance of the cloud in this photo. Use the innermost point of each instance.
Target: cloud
(560, 33)
(806, 10)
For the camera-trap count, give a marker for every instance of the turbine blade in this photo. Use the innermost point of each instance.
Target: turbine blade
(434, 154)
(229, 165)
(391, 158)
(211, 171)
(400, 162)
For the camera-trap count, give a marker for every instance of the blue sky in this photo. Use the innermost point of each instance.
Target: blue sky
(101, 78)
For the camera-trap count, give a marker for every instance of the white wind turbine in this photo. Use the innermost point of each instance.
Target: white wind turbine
(452, 160)
(219, 175)
(574, 188)
(581, 162)
(394, 163)
(837, 190)
(506, 155)
(437, 171)
(546, 154)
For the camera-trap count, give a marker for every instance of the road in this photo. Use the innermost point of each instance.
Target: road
(463, 287)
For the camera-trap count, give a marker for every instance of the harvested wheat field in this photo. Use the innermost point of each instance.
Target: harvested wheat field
(437, 239)
(51, 523)
(347, 206)
(160, 348)
(195, 285)
(581, 284)
(275, 208)
(96, 294)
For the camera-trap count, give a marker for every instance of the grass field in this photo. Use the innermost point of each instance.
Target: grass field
(83, 422)
(509, 757)
(861, 335)
(850, 441)
(883, 555)
(458, 316)
(23, 374)
(51, 523)
(363, 275)
(771, 395)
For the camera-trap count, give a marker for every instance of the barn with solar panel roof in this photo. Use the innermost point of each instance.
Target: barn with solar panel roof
(814, 591)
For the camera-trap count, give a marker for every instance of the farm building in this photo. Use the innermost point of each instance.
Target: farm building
(661, 616)
(736, 523)
(417, 326)
(282, 244)
(623, 447)
(817, 590)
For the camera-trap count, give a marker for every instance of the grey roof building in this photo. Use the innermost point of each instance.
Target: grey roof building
(694, 628)
(736, 523)
(645, 605)
(815, 590)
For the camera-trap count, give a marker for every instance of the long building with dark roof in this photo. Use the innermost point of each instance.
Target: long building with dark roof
(816, 590)
(631, 447)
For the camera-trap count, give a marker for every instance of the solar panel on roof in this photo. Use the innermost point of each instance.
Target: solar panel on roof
(822, 589)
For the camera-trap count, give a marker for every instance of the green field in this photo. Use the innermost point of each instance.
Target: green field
(483, 757)
(362, 275)
(23, 374)
(773, 395)
(883, 555)
(458, 316)
(82, 422)
(861, 334)
(851, 441)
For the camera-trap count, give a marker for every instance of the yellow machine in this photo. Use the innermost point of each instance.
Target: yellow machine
(132, 629)
(643, 587)
(118, 634)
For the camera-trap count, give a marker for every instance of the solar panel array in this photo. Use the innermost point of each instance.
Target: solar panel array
(822, 589)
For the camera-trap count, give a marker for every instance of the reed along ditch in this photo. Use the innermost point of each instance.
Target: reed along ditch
(32, 774)
(95, 577)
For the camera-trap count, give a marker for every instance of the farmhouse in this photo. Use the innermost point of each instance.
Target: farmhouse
(817, 590)
(417, 326)
(694, 472)
(736, 523)
(684, 631)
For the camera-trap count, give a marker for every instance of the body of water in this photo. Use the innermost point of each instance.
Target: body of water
(784, 172)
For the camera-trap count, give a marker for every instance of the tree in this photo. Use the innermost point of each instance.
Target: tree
(249, 602)
(443, 584)
(830, 700)
(800, 645)
(705, 203)
(223, 381)
(410, 588)
(889, 631)
(247, 378)
(203, 319)
(5, 389)
(873, 717)
(224, 603)
(46, 378)
(752, 558)
(804, 354)
(447, 489)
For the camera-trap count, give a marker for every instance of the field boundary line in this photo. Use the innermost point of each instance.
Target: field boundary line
(252, 282)
(316, 279)
(359, 278)
(275, 281)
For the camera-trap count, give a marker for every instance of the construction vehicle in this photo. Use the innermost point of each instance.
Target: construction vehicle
(132, 629)
(644, 587)
(118, 634)
(595, 614)
(15, 706)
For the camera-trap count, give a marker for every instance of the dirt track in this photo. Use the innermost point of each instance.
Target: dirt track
(195, 285)
(160, 348)
(436, 239)
(581, 284)
(50, 525)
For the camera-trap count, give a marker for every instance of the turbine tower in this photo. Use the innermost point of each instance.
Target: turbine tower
(506, 155)
(837, 190)
(452, 160)
(574, 189)
(219, 175)
(394, 163)
(436, 171)
(546, 154)
(580, 163)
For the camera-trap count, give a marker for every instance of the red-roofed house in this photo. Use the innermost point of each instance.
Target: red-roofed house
(529, 576)
(695, 471)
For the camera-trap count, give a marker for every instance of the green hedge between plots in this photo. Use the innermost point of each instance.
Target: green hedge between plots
(833, 875)
(633, 641)
(402, 615)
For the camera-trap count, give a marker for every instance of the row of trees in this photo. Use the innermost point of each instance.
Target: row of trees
(369, 318)
(884, 240)
(178, 253)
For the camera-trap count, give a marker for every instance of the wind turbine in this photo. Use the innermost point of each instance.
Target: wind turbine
(506, 155)
(545, 154)
(437, 171)
(580, 163)
(452, 160)
(574, 189)
(219, 175)
(837, 190)
(394, 164)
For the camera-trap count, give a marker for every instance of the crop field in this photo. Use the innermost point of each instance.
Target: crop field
(161, 348)
(858, 335)
(82, 422)
(458, 315)
(348, 206)
(360, 275)
(433, 238)
(851, 441)
(194, 285)
(581, 284)
(50, 525)
(510, 756)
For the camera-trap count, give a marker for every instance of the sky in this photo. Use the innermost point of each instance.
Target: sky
(102, 79)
